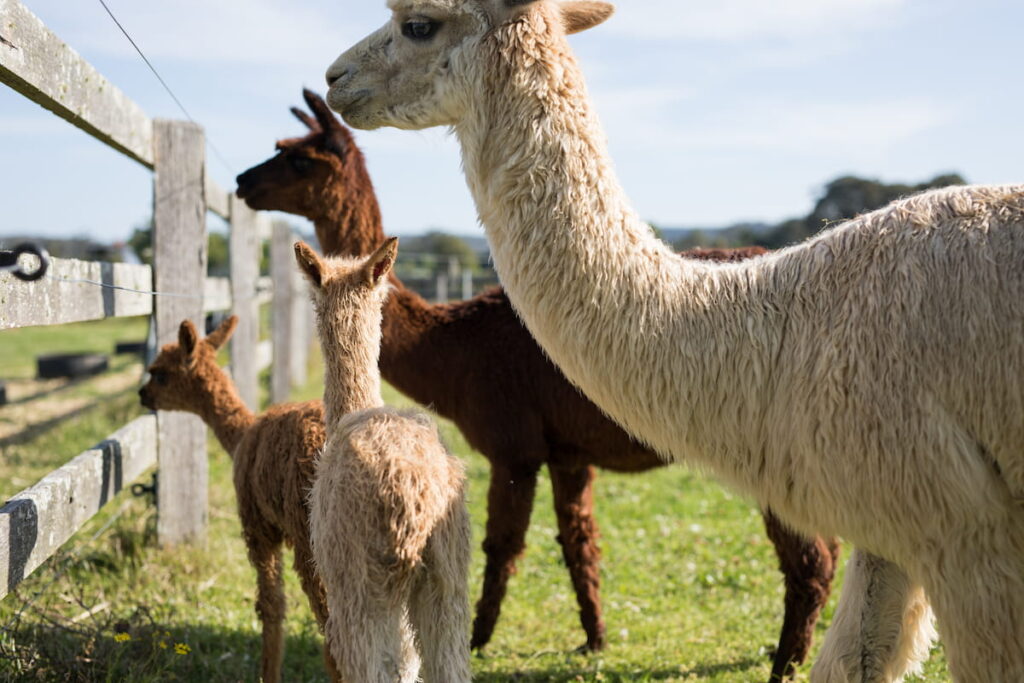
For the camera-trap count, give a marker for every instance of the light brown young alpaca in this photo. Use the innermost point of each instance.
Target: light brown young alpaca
(865, 383)
(273, 463)
(388, 516)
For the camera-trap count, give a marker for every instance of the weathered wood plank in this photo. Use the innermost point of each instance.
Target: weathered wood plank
(37, 521)
(301, 313)
(43, 68)
(179, 264)
(61, 297)
(282, 269)
(244, 251)
(264, 290)
(217, 199)
(217, 294)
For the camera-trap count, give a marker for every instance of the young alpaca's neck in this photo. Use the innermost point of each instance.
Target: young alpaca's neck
(603, 297)
(350, 340)
(224, 411)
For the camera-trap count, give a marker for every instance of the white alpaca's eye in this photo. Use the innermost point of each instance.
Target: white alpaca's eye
(420, 30)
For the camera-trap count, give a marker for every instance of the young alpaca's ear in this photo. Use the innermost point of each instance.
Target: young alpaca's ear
(220, 336)
(579, 15)
(188, 338)
(310, 264)
(379, 265)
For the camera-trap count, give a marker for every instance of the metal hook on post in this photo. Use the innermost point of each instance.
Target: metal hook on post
(10, 261)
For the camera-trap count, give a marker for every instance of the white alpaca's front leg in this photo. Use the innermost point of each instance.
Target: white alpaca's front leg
(883, 627)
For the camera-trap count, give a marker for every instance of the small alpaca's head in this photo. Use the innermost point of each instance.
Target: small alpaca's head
(422, 68)
(293, 180)
(184, 373)
(348, 293)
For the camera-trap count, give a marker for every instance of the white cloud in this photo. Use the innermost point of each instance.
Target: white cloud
(740, 20)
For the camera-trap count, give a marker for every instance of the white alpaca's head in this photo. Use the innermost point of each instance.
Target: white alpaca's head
(421, 69)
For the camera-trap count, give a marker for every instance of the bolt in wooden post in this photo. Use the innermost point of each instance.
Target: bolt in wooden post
(244, 252)
(282, 266)
(179, 267)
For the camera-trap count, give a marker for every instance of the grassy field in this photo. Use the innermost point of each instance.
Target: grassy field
(689, 585)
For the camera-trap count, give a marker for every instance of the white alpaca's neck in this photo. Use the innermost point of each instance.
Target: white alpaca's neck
(624, 317)
(350, 341)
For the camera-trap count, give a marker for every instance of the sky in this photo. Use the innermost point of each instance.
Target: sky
(716, 112)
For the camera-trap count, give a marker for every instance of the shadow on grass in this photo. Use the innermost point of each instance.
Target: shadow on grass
(612, 675)
(144, 650)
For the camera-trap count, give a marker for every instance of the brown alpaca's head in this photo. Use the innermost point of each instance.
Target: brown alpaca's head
(427, 64)
(184, 373)
(294, 179)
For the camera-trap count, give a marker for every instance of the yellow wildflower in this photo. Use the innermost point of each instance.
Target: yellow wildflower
(182, 648)
(122, 637)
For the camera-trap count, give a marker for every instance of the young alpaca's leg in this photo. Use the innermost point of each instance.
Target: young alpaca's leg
(577, 534)
(808, 566)
(314, 590)
(882, 629)
(509, 503)
(265, 555)
(439, 602)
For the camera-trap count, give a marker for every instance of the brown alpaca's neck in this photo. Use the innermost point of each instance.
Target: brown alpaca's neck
(350, 341)
(410, 347)
(224, 411)
(348, 219)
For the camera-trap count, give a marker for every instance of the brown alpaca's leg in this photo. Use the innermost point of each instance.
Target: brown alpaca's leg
(577, 533)
(808, 566)
(270, 604)
(509, 503)
(314, 590)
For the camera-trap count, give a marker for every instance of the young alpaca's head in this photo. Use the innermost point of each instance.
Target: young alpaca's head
(422, 68)
(293, 180)
(348, 295)
(184, 373)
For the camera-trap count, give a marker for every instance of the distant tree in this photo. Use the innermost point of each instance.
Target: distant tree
(434, 248)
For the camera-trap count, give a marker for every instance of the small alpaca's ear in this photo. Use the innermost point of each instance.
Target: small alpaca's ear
(188, 338)
(579, 15)
(310, 264)
(306, 119)
(219, 337)
(379, 265)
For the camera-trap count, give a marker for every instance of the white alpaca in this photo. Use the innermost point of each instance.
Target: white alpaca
(866, 383)
(388, 519)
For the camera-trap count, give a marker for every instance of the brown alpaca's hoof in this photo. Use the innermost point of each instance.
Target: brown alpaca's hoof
(591, 646)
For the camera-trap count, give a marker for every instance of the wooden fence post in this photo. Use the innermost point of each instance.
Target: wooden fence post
(244, 253)
(282, 266)
(179, 267)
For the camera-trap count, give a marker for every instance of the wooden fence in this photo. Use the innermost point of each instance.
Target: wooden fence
(37, 521)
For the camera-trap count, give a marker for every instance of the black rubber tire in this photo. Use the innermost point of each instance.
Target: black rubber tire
(138, 347)
(71, 365)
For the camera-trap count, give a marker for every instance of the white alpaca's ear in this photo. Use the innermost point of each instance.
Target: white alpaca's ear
(188, 338)
(580, 15)
(219, 337)
(379, 265)
(311, 265)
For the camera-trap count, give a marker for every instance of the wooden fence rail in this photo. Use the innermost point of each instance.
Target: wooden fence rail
(33, 524)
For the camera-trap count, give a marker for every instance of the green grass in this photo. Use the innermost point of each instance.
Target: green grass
(20, 347)
(690, 591)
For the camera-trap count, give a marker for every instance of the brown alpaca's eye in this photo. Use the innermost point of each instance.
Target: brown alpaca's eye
(159, 376)
(301, 164)
(420, 30)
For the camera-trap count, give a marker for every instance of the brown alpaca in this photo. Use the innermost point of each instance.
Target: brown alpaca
(273, 462)
(388, 516)
(474, 363)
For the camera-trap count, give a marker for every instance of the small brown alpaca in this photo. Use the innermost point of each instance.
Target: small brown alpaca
(388, 516)
(273, 463)
(474, 363)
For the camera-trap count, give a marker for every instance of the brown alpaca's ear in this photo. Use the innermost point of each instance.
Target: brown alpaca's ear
(580, 15)
(310, 264)
(379, 265)
(306, 119)
(219, 337)
(188, 338)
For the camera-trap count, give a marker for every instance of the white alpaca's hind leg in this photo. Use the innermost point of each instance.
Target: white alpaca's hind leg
(882, 629)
